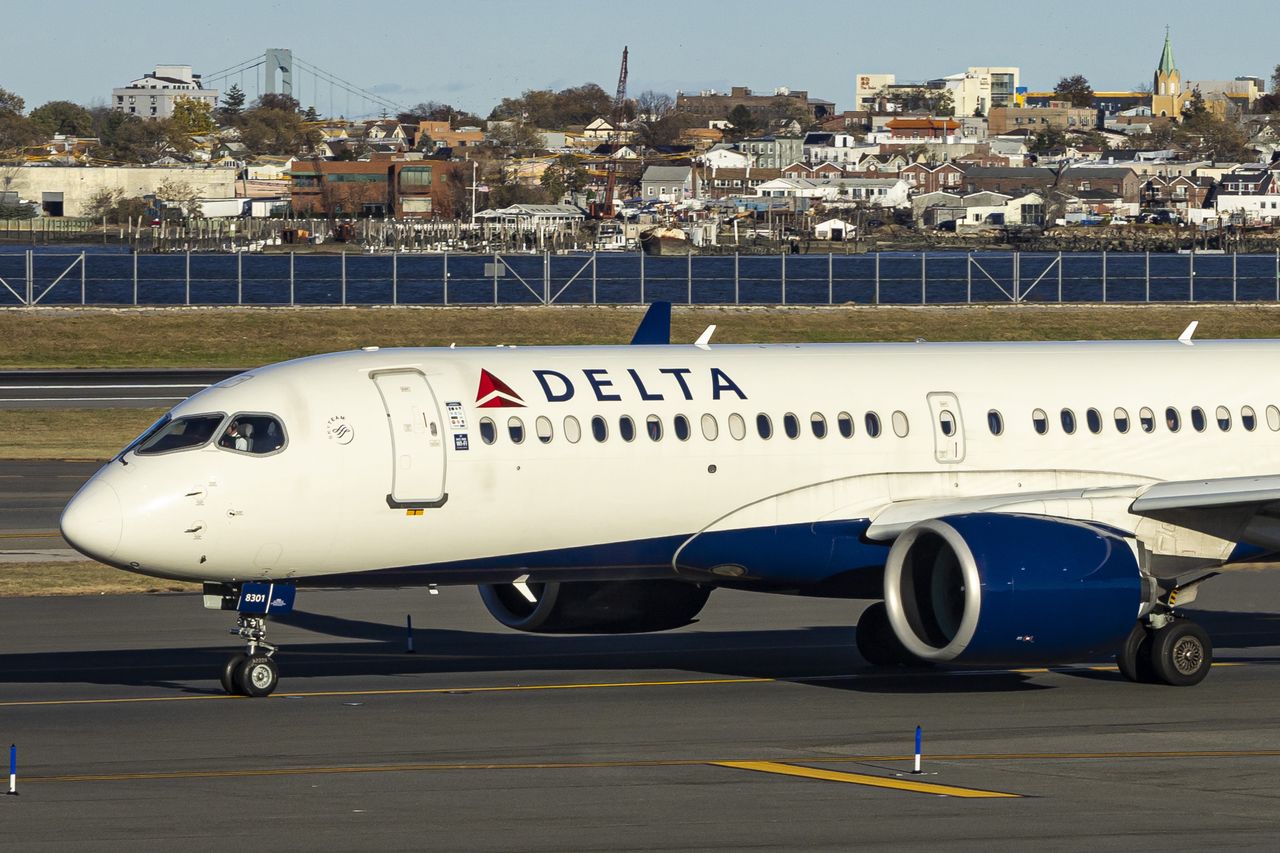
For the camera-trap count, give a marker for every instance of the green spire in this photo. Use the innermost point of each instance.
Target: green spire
(1166, 56)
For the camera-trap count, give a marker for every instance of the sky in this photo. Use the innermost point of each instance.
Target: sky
(473, 54)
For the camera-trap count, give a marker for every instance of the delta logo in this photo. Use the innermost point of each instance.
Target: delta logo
(557, 387)
(493, 393)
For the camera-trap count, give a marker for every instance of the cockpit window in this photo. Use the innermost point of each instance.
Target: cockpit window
(256, 434)
(180, 434)
(146, 434)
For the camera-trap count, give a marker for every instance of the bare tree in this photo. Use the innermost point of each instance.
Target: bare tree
(654, 106)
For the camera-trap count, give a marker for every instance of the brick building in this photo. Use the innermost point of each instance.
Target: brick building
(383, 186)
(718, 105)
(1058, 114)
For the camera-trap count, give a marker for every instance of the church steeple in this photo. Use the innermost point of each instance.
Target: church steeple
(1166, 66)
(1166, 87)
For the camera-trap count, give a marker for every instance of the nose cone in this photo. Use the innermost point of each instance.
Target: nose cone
(93, 521)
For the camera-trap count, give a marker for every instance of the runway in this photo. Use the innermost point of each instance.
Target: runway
(32, 495)
(92, 389)
(758, 727)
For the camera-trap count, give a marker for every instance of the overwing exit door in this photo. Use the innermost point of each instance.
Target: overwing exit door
(417, 439)
(948, 427)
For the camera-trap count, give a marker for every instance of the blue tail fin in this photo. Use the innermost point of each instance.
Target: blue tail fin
(655, 328)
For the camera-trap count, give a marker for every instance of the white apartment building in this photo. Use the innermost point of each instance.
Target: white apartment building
(153, 95)
(978, 89)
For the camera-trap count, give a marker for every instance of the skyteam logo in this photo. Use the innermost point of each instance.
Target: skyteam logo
(493, 393)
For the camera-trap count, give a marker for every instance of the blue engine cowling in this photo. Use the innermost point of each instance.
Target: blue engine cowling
(1001, 589)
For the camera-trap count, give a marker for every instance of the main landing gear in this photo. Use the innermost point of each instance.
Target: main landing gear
(251, 673)
(1165, 648)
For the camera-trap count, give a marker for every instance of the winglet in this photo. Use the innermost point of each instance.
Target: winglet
(655, 328)
(704, 340)
(1185, 337)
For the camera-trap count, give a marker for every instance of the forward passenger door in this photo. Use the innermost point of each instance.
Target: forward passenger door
(948, 427)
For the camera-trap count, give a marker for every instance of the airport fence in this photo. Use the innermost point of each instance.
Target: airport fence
(37, 278)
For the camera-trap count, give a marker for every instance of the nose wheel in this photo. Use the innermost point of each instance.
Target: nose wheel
(252, 673)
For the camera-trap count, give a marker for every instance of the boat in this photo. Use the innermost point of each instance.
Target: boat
(665, 240)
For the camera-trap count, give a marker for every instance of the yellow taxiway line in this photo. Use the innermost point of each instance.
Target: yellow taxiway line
(895, 783)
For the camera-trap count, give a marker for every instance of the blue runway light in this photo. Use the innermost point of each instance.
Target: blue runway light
(13, 770)
(919, 741)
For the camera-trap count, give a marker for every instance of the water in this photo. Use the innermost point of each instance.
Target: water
(107, 278)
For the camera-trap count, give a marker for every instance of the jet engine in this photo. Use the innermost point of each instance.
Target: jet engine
(1001, 589)
(595, 607)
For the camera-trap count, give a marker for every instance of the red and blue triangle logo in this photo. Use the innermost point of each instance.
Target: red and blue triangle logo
(493, 393)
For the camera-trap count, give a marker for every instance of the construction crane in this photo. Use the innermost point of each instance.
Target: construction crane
(605, 209)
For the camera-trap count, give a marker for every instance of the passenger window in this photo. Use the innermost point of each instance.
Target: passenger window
(791, 425)
(1147, 419)
(737, 427)
(1223, 415)
(844, 421)
(1040, 421)
(872, 423)
(1273, 418)
(1068, 421)
(627, 428)
(542, 428)
(681, 425)
(184, 434)
(572, 429)
(653, 424)
(818, 424)
(995, 422)
(1248, 419)
(764, 426)
(599, 429)
(947, 423)
(900, 425)
(1094, 419)
(1121, 417)
(515, 429)
(488, 432)
(710, 429)
(1172, 419)
(1197, 419)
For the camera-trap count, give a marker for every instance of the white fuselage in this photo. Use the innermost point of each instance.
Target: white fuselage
(386, 463)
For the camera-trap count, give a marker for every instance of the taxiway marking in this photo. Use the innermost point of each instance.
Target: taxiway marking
(897, 784)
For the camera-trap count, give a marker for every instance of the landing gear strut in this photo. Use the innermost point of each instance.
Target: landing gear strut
(251, 673)
(1165, 648)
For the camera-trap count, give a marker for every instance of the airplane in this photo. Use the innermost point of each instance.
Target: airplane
(1001, 504)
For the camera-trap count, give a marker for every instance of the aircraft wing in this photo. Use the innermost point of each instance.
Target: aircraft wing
(1239, 509)
(1233, 509)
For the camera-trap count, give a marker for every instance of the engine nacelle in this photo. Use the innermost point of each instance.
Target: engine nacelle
(997, 589)
(596, 607)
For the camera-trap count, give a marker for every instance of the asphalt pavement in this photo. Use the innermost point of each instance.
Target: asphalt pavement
(91, 389)
(758, 727)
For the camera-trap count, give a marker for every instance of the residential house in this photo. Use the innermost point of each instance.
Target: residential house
(841, 148)
(926, 178)
(773, 152)
(1004, 179)
(726, 182)
(1120, 181)
(725, 157)
(443, 135)
(1250, 193)
(701, 138)
(1179, 192)
(913, 129)
(878, 166)
(668, 183)
(875, 192)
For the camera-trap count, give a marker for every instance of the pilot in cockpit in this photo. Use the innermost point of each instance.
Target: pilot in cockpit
(233, 438)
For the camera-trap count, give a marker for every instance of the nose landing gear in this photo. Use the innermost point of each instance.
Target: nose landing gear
(251, 673)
